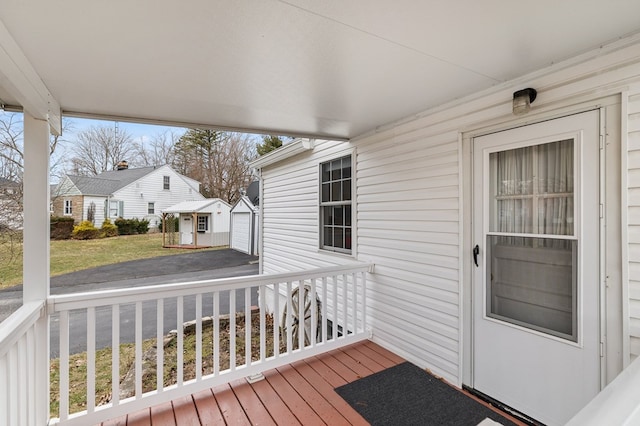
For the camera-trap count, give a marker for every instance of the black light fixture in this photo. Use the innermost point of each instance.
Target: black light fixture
(522, 100)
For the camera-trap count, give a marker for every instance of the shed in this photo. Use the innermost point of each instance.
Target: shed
(203, 223)
(245, 226)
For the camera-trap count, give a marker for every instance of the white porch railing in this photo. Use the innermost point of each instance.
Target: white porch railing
(617, 404)
(341, 320)
(23, 338)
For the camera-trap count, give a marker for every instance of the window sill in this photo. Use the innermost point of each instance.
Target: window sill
(337, 253)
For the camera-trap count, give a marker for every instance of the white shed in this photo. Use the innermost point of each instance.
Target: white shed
(245, 226)
(203, 223)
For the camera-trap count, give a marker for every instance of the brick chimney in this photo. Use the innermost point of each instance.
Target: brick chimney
(123, 165)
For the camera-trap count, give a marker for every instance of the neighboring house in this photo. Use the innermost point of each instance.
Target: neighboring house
(203, 223)
(141, 193)
(245, 222)
(505, 246)
(10, 204)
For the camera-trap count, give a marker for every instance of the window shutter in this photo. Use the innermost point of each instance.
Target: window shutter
(121, 208)
(106, 208)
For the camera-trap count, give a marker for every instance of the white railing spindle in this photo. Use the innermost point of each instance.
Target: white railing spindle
(232, 330)
(91, 359)
(180, 329)
(138, 349)
(314, 313)
(247, 326)
(276, 320)
(160, 345)
(64, 365)
(199, 336)
(323, 314)
(263, 326)
(216, 333)
(115, 355)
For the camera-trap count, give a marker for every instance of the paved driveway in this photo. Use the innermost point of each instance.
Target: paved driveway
(192, 265)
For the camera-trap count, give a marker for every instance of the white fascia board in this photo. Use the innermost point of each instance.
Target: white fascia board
(287, 151)
(20, 79)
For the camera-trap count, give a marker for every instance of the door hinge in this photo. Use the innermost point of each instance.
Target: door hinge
(601, 141)
(601, 349)
(601, 211)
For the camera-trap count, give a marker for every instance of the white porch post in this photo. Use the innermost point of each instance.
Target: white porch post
(36, 209)
(36, 249)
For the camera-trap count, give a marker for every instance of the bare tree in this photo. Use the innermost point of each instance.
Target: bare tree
(159, 151)
(218, 160)
(12, 165)
(100, 148)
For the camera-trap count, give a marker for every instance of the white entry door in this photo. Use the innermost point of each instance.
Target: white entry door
(536, 332)
(186, 230)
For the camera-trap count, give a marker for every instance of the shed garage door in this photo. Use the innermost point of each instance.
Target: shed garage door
(241, 232)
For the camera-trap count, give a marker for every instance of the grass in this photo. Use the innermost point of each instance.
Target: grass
(75, 255)
(78, 362)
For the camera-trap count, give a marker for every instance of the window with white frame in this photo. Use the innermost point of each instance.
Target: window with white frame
(165, 182)
(336, 205)
(151, 208)
(68, 207)
(116, 208)
(203, 223)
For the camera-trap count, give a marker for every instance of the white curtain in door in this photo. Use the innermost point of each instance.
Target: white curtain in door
(533, 189)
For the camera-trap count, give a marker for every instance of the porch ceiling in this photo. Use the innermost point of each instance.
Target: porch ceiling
(330, 68)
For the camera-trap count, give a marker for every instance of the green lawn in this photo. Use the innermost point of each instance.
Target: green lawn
(75, 255)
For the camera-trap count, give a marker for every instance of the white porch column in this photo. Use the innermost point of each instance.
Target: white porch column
(36, 209)
(36, 253)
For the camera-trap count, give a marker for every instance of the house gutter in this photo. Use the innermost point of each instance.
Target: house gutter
(287, 151)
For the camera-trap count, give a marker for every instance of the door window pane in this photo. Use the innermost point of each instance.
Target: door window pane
(532, 189)
(532, 282)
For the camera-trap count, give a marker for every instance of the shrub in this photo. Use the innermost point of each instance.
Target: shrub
(125, 226)
(109, 229)
(142, 226)
(132, 226)
(60, 228)
(85, 231)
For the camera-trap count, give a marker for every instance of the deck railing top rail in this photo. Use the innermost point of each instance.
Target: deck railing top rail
(65, 302)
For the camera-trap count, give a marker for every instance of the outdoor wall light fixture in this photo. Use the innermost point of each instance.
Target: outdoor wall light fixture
(522, 100)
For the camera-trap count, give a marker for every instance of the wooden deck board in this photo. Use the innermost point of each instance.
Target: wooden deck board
(274, 404)
(253, 407)
(299, 393)
(292, 399)
(185, 412)
(163, 414)
(316, 401)
(207, 407)
(230, 406)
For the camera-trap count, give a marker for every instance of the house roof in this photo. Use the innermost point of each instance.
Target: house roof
(246, 201)
(193, 206)
(106, 183)
(322, 69)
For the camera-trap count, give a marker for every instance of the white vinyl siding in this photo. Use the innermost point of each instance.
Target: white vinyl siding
(291, 223)
(633, 220)
(407, 192)
(99, 212)
(149, 189)
(407, 224)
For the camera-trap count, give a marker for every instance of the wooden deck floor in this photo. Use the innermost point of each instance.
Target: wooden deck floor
(299, 393)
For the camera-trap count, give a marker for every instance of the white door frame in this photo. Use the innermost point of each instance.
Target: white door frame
(609, 367)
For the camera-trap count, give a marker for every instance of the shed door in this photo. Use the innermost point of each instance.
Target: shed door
(241, 228)
(186, 229)
(536, 287)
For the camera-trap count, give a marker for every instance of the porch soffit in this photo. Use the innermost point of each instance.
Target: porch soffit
(327, 69)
